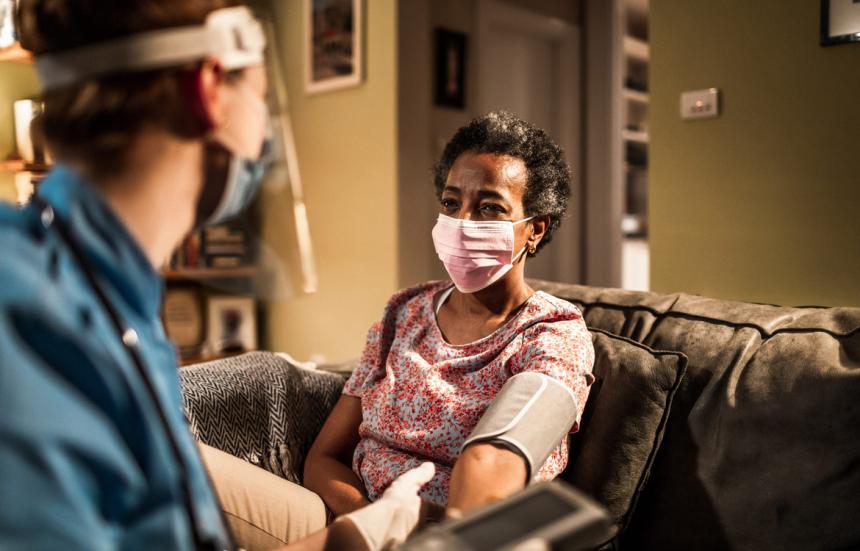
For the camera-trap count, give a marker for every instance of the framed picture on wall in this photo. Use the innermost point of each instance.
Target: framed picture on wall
(840, 22)
(450, 62)
(333, 44)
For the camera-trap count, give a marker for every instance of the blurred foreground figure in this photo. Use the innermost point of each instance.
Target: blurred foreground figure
(155, 111)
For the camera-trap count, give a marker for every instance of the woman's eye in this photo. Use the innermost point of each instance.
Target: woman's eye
(449, 203)
(492, 208)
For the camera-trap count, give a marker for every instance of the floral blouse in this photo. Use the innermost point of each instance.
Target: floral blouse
(421, 397)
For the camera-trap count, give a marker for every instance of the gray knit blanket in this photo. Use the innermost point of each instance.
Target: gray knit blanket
(259, 407)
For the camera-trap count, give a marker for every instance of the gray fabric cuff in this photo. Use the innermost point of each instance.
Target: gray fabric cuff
(532, 414)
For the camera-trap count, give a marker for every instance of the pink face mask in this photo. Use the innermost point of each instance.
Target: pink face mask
(476, 254)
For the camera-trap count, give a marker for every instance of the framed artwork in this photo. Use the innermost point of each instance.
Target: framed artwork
(183, 319)
(450, 62)
(333, 44)
(232, 325)
(840, 22)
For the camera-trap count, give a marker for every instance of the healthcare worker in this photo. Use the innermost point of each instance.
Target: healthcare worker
(156, 113)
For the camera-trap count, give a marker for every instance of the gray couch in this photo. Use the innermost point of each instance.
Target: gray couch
(760, 449)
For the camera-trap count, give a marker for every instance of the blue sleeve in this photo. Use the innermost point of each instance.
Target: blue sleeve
(66, 472)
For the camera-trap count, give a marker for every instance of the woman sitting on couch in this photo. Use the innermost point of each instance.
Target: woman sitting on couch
(443, 353)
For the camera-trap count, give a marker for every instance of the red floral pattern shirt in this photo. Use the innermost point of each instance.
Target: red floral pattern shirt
(421, 397)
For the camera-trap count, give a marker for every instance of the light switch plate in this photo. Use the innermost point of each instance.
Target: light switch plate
(700, 104)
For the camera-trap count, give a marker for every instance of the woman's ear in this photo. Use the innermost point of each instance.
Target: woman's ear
(540, 224)
(203, 91)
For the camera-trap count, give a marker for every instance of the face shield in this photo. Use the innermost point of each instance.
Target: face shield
(255, 157)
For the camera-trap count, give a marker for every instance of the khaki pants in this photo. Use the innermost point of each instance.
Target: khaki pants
(264, 510)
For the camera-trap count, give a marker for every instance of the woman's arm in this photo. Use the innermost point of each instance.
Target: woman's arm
(484, 473)
(328, 467)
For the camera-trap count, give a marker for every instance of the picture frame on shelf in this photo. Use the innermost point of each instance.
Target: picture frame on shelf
(840, 22)
(231, 324)
(450, 69)
(334, 56)
(183, 318)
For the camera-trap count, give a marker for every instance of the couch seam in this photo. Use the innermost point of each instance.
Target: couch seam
(697, 317)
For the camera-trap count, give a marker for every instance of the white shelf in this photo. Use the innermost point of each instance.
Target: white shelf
(16, 54)
(636, 96)
(635, 136)
(635, 48)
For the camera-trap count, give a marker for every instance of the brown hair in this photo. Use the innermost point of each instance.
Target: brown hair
(96, 121)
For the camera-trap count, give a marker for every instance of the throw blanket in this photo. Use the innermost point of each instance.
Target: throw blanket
(259, 407)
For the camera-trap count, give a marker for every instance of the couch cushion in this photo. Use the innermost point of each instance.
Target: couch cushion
(623, 422)
(777, 434)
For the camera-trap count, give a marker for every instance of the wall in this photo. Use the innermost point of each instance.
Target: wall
(17, 81)
(762, 203)
(346, 148)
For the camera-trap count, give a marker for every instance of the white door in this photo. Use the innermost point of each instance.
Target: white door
(528, 64)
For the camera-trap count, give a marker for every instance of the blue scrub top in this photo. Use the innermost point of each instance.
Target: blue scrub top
(85, 462)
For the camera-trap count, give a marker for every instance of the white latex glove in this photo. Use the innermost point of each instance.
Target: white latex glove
(389, 520)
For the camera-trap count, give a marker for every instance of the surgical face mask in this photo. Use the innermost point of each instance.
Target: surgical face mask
(236, 160)
(475, 254)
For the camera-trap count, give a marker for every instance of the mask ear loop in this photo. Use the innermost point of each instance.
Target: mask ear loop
(531, 249)
(520, 254)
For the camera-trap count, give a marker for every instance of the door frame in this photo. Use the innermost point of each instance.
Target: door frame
(567, 242)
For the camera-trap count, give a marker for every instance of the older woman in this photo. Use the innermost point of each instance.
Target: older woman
(443, 351)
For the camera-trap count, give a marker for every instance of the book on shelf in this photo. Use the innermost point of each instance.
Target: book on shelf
(222, 246)
(226, 262)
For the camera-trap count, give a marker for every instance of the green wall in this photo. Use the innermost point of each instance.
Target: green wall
(17, 81)
(763, 203)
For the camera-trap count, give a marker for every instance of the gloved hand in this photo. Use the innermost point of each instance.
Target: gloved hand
(389, 520)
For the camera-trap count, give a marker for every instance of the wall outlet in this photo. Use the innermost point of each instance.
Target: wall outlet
(700, 104)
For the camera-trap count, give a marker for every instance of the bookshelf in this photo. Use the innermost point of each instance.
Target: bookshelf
(199, 274)
(211, 308)
(16, 54)
(636, 56)
(20, 165)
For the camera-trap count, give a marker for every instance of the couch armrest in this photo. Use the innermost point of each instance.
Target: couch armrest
(259, 407)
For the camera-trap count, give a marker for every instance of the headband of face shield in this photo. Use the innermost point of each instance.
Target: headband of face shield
(237, 153)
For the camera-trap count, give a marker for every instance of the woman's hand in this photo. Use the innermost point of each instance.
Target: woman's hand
(484, 473)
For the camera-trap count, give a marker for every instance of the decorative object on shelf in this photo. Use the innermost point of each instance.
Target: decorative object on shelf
(450, 69)
(30, 147)
(840, 22)
(333, 44)
(8, 33)
(183, 319)
(232, 325)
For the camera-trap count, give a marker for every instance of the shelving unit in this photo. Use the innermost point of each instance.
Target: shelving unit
(635, 109)
(20, 165)
(16, 54)
(200, 274)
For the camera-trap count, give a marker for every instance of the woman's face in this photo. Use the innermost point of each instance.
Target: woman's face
(483, 187)
(488, 187)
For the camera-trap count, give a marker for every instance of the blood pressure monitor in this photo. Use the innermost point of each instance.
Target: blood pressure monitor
(545, 516)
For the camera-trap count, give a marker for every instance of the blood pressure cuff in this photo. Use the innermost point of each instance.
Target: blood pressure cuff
(530, 415)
